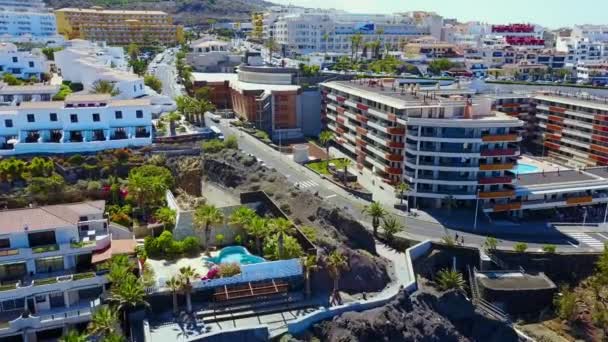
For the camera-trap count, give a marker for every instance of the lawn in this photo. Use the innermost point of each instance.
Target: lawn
(321, 166)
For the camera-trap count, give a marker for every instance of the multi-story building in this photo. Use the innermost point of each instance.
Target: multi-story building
(432, 48)
(591, 72)
(81, 123)
(581, 49)
(23, 21)
(524, 35)
(47, 267)
(86, 62)
(446, 144)
(22, 64)
(595, 33)
(15, 95)
(495, 56)
(118, 27)
(328, 30)
(209, 55)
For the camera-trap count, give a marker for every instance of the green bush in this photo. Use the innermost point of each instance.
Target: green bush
(164, 246)
(63, 92)
(549, 248)
(213, 146)
(238, 239)
(520, 247)
(229, 269)
(190, 245)
(231, 142)
(76, 159)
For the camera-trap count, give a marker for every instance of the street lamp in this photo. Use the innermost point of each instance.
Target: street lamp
(476, 209)
(606, 213)
(584, 216)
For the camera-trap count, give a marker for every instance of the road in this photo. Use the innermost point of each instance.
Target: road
(163, 67)
(565, 238)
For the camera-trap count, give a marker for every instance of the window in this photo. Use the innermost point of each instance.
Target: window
(50, 264)
(118, 114)
(53, 116)
(15, 59)
(8, 123)
(95, 117)
(139, 114)
(13, 304)
(31, 64)
(5, 243)
(73, 118)
(31, 118)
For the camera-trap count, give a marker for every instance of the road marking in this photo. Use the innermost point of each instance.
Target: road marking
(331, 196)
(587, 240)
(306, 184)
(602, 235)
(573, 245)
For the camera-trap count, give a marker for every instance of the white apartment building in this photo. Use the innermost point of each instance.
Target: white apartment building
(22, 21)
(209, 55)
(47, 258)
(81, 123)
(591, 32)
(581, 49)
(86, 62)
(303, 33)
(15, 95)
(22, 64)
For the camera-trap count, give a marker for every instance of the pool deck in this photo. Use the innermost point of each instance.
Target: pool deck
(542, 165)
(165, 269)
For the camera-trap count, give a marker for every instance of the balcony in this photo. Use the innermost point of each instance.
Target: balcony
(45, 249)
(119, 135)
(76, 137)
(396, 130)
(393, 171)
(506, 207)
(497, 194)
(394, 157)
(500, 138)
(495, 180)
(361, 131)
(98, 135)
(496, 167)
(142, 133)
(395, 144)
(499, 152)
(579, 200)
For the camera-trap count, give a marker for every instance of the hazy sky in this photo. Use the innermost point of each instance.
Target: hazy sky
(551, 13)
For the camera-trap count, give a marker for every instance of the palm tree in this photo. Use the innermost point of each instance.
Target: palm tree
(450, 279)
(355, 43)
(325, 138)
(336, 263)
(401, 189)
(74, 336)
(119, 267)
(242, 216)
(204, 217)
(376, 212)
(113, 338)
(258, 228)
(174, 284)
(282, 227)
(186, 274)
(128, 295)
(104, 87)
(391, 226)
(272, 46)
(309, 263)
(345, 164)
(104, 322)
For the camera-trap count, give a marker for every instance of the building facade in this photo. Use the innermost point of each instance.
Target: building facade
(444, 144)
(81, 123)
(22, 21)
(22, 64)
(118, 27)
(15, 95)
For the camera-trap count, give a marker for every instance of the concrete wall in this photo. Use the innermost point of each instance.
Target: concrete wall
(310, 102)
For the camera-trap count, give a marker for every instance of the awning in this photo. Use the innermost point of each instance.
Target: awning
(116, 247)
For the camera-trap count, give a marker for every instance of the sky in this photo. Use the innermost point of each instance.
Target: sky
(549, 13)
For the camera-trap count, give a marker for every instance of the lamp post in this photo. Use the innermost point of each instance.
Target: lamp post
(606, 213)
(476, 209)
(584, 216)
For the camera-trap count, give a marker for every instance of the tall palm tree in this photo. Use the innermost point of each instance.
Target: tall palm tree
(345, 164)
(258, 228)
(174, 284)
(325, 139)
(309, 263)
(391, 226)
(272, 46)
(355, 43)
(242, 216)
(402, 188)
(186, 274)
(104, 321)
(282, 227)
(74, 336)
(128, 295)
(336, 263)
(104, 87)
(376, 212)
(204, 217)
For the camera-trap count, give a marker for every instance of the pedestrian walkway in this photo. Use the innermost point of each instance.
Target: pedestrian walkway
(306, 184)
(587, 240)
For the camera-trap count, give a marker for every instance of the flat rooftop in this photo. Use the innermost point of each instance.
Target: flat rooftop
(554, 177)
(514, 281)
(106, 11)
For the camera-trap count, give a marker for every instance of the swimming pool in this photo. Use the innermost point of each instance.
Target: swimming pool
(235, 254)
(521, 169)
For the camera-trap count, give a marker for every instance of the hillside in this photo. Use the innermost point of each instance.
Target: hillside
(186, 12)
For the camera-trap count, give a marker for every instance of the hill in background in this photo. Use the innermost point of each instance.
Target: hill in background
(185, 12)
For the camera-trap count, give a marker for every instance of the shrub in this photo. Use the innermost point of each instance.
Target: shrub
(292, 248)
(231, 142)
(121, 218)
(229, 269)
(190, 245)
(93, 186)
(449, 279)
(238, 239)
(63, 92)
(549, 248)
(213, 146)
(520, 247)
(490, 244)
(153, 82)
(310, 233)
(76, 159)
(219, 239)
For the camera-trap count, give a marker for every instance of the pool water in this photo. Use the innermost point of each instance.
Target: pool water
(236, 254)
(521, 169)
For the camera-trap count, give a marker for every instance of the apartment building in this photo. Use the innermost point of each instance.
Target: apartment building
(118, 27)
(595, 33)
(432, 48)
(524, 35)
(47, 267)
(81, 123)
(447, 144)
(593, 72)
(495, 56)
(27, 21)
(581, 49)
(87, 62)
(210, 55)
(305, 32)
(22, 64)
(15, 95)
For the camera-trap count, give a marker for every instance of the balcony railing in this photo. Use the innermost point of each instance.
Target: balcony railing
(496, 194)
(45, 249)
(500, 138)
(496, 167)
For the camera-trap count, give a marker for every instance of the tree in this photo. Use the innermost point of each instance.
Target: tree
(172, 118)
(119, 267)
(104, 321)
(242, 216)
(336, 263)
(154, 83)
(186, 274)
(291, 248)
(203, 93)
(520, 247)
(272, 46)
(127, 295)
(436, 66)
(74, 336)
(345, 164)
(49, 52)
(402, 188)
(565, 304)
(42, 187)
(174, 284)
(139, 66)
(258, 228)
(376, 212)
(133, 51)
(449, 279)
(166, 216)
(104, 87)
(204, 217)
(490, 244)
(391, 226)
(355, 43)
(325, 139)
(148, 184)
(281, 227)
(309, 263)
(113, 338)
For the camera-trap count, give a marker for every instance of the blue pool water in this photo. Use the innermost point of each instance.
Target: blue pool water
(521, 169)
(238, 254)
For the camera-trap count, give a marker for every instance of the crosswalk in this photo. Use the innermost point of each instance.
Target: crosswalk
(306, 184)
(587, 240)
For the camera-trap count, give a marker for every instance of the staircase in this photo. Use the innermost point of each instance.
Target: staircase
(483, 305)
